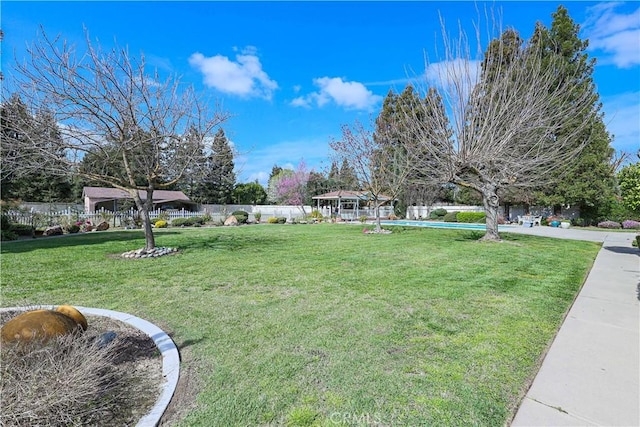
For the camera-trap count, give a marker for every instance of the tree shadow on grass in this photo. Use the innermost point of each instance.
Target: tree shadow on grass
(470, 235)
(70, 240)
(227, 242)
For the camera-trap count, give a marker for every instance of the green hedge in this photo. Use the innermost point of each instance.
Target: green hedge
(438, 214)
(188, 222)
(241, 216)
(451, 217)
(21, 229)
(471, 217)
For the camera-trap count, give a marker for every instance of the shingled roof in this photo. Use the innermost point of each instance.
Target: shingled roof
(159, 196)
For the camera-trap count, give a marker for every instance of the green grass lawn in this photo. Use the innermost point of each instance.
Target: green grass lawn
(323, 324)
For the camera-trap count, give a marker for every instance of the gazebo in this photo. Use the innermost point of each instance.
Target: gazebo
(348, 203)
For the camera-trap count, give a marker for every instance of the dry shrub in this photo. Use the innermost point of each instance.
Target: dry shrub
(72, 381)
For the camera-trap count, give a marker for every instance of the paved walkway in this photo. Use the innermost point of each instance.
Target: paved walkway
(591, 374)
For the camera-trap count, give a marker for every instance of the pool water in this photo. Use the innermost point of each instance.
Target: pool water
(434, 224)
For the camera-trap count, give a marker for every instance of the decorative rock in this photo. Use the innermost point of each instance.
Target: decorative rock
(153, 253)
(43, 324)
(106, 338)
(104, 225)
(53, 231)
(232, 220)
(73, 313)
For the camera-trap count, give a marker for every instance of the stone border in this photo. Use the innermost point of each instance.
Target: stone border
(164, 343)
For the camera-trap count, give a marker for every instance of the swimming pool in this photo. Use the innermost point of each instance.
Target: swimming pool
(435, 224)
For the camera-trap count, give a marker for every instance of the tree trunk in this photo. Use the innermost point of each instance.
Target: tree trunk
(143, 209)
(491, 204)
(377, 212)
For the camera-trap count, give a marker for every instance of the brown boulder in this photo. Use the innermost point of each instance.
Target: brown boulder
(43, 324)
(232, 220)
(104, 225)
(73, 313)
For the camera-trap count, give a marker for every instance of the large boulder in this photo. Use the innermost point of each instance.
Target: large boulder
(56, 230)
(232, 220)
(43, 324)
(104, 225)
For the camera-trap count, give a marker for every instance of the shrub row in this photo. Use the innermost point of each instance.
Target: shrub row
(631, 224)
(188, 222)
(471, 217)
(628, 224)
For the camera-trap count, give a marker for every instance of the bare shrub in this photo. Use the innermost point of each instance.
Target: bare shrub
(72, 381)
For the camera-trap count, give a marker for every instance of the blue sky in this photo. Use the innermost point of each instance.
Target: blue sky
(291, 73)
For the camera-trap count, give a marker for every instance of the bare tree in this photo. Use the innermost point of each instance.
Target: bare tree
(512, 120)
(380, 168)
(138, 132)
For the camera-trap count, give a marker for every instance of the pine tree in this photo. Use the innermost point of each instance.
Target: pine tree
(333, 179)
(348, 178)
(219, 178)
(395, 135)
(36, 185)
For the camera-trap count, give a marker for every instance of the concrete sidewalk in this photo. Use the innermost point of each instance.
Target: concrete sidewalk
(591, 374)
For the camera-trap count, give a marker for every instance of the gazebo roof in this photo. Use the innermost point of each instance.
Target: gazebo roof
(349, 195)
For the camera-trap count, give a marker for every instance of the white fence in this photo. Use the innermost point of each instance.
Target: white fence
(217, 213)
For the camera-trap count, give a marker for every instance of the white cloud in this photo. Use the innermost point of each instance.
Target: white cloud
(448, 74)
(301, 102)
(350, 95)
(243, 77)
(622, 117)
(455, 80)
(618, 35)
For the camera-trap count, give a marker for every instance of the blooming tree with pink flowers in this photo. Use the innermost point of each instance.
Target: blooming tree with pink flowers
(291, 187)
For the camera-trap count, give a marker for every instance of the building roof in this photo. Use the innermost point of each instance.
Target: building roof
(349, 195)
(159, 196)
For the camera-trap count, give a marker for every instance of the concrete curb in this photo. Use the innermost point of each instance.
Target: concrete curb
(166, 346)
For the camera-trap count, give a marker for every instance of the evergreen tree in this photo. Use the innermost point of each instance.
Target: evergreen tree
(589, 182)
(219, 180)
(629, 182)
(347, 177)
(396, 136)
(275, 170)
(29, 184)
(251, 193)
(333, 179)
(316, 184)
